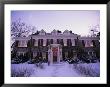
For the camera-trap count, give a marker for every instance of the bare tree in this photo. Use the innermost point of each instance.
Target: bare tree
(95, 30)
(21, 29)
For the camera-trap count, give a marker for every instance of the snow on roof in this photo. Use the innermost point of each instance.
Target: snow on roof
(66, 31)
(42, 31)
(54, 31)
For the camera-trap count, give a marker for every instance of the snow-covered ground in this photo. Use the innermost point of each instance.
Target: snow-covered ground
(56, 70)
(62, 69)
(90, 69)
(22, 70)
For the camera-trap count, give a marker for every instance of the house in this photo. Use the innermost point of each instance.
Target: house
(56, 46)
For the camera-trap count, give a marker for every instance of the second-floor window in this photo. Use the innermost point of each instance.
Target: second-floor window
(49, 41)
(69, 42)
(22, 43)
(60, 41)
(40, 42)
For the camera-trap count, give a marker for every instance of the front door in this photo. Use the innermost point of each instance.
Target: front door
(55, 50)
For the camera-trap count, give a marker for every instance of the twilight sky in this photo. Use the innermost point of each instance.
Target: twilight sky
(77, 21)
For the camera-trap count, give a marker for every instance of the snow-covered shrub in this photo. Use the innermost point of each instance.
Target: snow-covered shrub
(21, 70)
(41, 66)
(91, 69)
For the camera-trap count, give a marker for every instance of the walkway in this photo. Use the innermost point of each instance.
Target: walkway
(56, 70)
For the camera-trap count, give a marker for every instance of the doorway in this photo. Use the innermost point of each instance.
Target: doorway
(55, 50)
(55, 57)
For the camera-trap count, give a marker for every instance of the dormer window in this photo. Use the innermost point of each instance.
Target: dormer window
(54, 32)
(42, 32)
(66, 32)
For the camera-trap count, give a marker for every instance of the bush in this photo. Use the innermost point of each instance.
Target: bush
(88, 69)
(40, 65)
(21, 70)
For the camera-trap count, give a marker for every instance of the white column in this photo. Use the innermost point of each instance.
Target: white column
(91, 43)
(36, 42)
(44, 42)
(49, 55)
(73, 42)
(58, 56)
(65, 42)
(43, 55)
(34, 54)
(25, 43)
(54, 41)
(61, 54)
(20, 43)
(87, 43)
(51, 58)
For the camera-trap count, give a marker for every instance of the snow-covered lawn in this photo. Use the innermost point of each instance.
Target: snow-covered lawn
(62, 69)
(56, 70)
(91, 69)
(22, 70)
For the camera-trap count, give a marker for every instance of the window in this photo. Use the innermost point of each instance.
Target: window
(93, 41)
(21, 53)
(36, 43)
(40, 42)
(69, 42)
(22, 43)
(83, 43)
(49, 41)
(60, 41)
(76, 42)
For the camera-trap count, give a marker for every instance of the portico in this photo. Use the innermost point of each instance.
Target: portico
(54, 53)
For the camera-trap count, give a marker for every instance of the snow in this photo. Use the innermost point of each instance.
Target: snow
(62, 69)
(91, 69)
(22, 70)
(56, 70)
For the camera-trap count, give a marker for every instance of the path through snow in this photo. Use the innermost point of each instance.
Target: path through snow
(56, 70)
